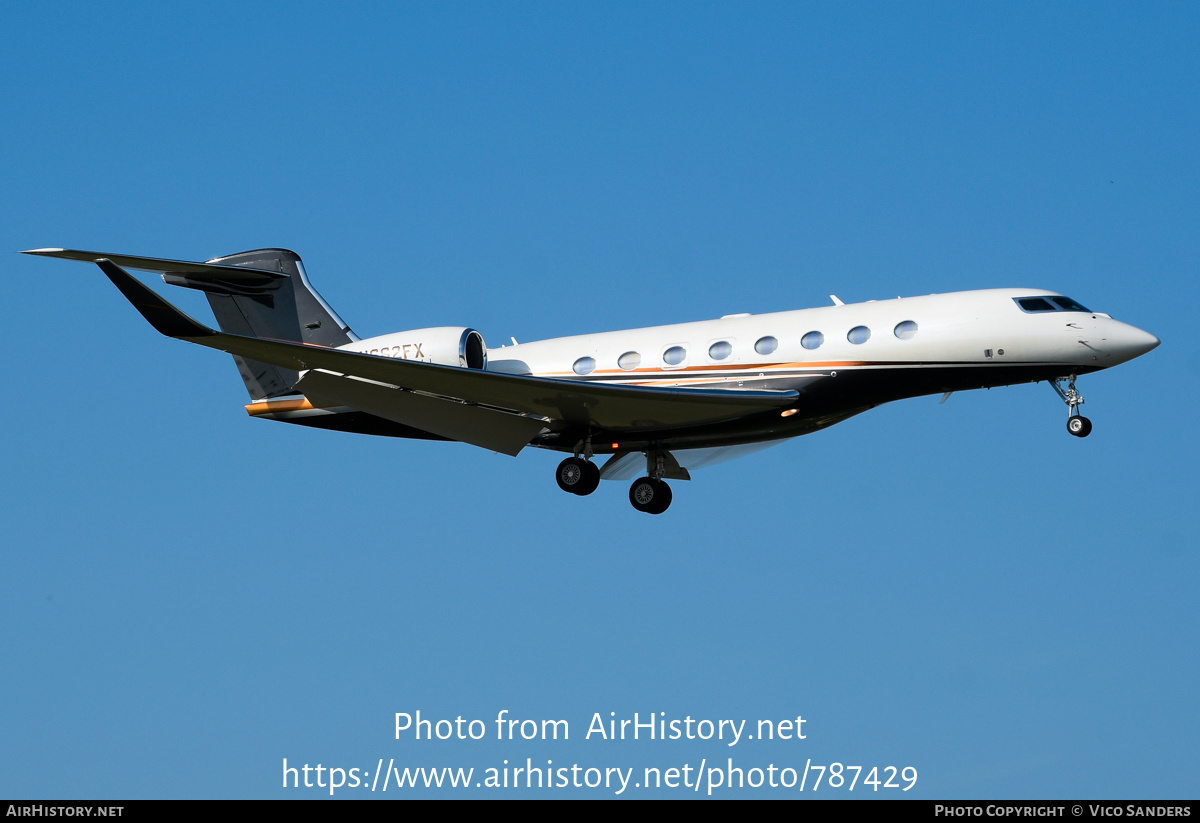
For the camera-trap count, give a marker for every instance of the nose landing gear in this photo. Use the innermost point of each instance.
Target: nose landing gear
(1077, 424)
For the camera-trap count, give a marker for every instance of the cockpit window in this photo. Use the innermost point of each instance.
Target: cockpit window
(1037, 304)
(1067, 304)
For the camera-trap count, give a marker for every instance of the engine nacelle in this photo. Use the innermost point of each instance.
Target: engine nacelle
(444, 345)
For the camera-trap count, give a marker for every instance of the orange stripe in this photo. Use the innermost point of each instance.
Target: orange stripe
(272, 406)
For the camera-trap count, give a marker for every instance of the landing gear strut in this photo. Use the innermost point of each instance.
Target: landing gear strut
(1077, 424)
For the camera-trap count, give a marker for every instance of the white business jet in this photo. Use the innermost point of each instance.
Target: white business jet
(664, 399)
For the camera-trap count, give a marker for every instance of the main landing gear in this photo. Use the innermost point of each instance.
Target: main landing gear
(650, 495)
(1077, 424)
(579, 475)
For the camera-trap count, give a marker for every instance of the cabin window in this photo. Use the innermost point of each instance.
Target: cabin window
(766, 345)
(629, 361)
(675, 355)
(584, 365)
(906, 330)
(812, 340)
(858, 335)
(720, 350)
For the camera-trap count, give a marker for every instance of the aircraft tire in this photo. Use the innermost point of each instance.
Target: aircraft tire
(590, 480)
(577, 476)
(571, 474)
(663, 501)
(1079, 426)
(650, 495)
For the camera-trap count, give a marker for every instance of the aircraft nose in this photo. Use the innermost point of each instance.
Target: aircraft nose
(1126, 342)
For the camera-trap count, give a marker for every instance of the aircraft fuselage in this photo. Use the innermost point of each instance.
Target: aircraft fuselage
(842, 359)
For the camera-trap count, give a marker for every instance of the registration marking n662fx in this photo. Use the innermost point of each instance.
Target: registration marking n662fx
(399, 351)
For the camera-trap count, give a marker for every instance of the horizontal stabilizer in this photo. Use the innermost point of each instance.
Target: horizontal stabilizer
(164, 317)
(237, 274)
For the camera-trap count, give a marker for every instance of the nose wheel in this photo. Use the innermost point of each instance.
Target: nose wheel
(1077, 424)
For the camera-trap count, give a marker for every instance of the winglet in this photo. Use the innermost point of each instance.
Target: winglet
(164, 317)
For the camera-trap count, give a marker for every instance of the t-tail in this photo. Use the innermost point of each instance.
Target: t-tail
(286, 308)
(263, 293)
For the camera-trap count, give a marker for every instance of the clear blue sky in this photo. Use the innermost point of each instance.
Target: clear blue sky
(190, 596)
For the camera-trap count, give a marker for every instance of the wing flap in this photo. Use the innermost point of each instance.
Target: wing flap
(610, 408)
(487, 428)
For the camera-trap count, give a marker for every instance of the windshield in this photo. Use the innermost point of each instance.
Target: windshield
(1055, 303)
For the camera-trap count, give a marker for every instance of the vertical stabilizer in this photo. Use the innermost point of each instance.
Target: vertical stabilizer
(282, 308)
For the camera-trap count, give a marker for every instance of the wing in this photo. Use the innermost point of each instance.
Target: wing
(502, 412)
